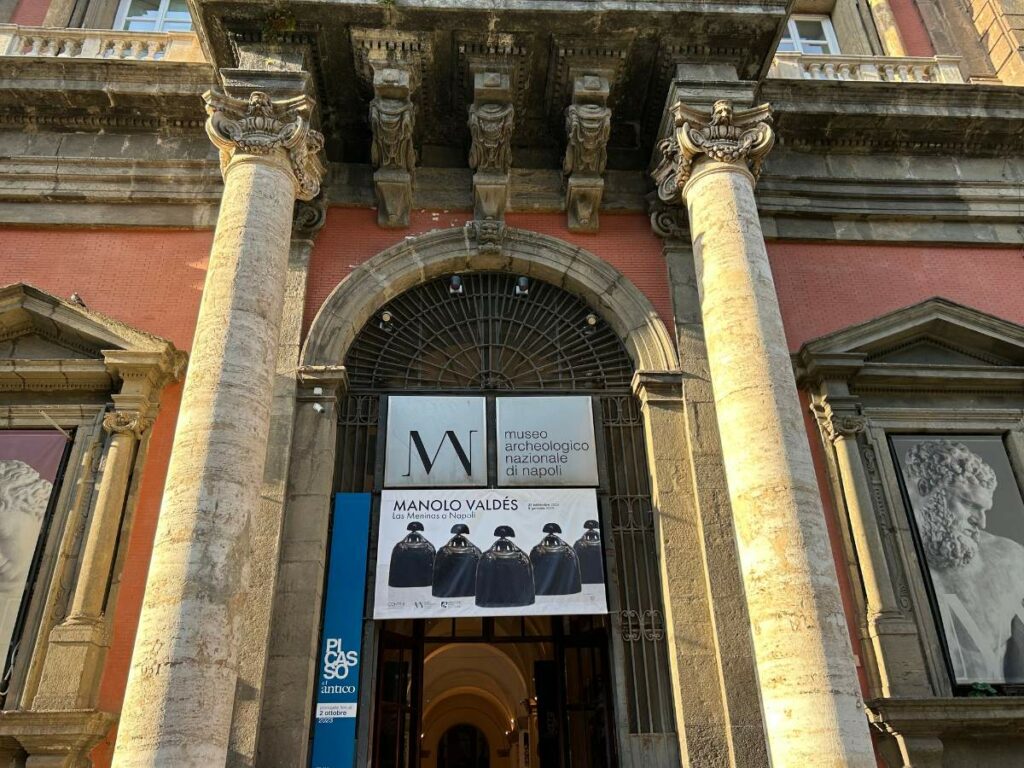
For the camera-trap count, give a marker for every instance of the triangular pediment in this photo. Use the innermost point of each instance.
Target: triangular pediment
(936, 332)
(36, 325)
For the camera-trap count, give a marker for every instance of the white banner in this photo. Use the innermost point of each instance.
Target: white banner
(436, 441)
(489, 552)
(546, 441)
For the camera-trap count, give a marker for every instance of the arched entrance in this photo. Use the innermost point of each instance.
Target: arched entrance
(619, 660)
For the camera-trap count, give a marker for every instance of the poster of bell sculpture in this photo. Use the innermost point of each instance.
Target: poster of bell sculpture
(449, 553)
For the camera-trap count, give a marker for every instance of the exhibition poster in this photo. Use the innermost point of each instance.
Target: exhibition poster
(337, 693)
(489, 552)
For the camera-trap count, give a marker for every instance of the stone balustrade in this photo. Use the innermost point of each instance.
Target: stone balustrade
(56, 42)
(887, 69)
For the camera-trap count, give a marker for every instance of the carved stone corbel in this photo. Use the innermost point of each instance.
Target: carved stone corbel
(393, 120)
(729, 136)
(491, 120)
(260, 126)
(588, 124)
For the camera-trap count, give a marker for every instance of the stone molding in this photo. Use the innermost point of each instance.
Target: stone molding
(726, 135)
(259, 126)
(358, 296)
(659, 386)
(56, 738)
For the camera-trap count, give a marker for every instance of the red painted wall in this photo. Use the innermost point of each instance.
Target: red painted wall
(826, 287)
(30, 13)
(151, 280)
(915, 35)
(351, 236)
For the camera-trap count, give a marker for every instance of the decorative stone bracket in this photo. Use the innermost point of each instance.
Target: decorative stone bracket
(588, 124)
(728, 136)
(260, 126)
(491, 120)
(393, 120)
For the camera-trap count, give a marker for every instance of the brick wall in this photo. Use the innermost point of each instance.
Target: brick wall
(30, 13)
(826, 287)
(351, 236)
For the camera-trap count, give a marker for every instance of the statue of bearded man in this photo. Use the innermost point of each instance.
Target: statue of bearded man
(978, 577)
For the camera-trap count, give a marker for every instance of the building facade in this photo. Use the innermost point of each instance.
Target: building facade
(769, 254)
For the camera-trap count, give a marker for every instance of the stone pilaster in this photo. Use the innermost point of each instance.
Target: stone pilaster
(181, 688)
(808, 682)
(74, 656)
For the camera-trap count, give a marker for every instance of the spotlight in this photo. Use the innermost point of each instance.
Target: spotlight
(455, 286)
(385, 322)
(522, 286)
(591, 326)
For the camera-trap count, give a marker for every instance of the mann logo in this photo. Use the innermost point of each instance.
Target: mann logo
(427, 461)
(436, 442)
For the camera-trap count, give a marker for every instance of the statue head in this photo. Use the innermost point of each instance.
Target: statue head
(24, 495)
(955, 487)
(722, 112)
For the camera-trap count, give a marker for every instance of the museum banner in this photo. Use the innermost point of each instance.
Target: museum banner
(546, 441)
(337, 693)
(489, 552)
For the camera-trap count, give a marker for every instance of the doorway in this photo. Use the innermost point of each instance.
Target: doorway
(536, 689)
(489, 338)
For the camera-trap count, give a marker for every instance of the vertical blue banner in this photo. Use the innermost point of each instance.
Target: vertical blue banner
(334, 732)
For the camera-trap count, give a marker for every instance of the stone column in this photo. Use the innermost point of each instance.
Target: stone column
(181, 688)
(808, 682)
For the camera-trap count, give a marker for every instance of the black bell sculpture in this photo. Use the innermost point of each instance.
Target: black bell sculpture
(556, 570)
(504, 578)
(455, 565)
(588, 551)
(412, 560)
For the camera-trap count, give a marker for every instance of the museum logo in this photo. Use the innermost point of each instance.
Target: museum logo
(464, 454)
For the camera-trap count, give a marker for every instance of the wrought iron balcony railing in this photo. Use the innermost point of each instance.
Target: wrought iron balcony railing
(55, 42)
(888, 69)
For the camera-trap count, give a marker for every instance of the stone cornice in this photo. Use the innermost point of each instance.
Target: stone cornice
(997, 715)
(99, 93)
(917, 118)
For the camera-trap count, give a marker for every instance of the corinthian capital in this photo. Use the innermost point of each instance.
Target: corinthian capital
(726, 136)
(258, 126)
(126, 422)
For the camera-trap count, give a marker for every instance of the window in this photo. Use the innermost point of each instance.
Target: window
(153, 16)
(809, 34)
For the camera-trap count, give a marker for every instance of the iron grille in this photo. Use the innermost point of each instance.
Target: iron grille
(487, 338)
